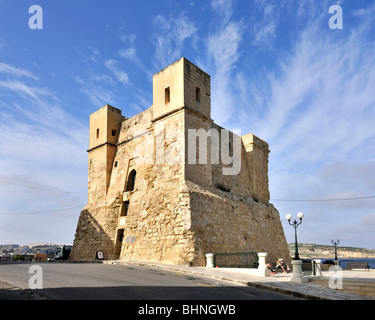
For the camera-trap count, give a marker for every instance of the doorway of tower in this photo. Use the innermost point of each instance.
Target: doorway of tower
(118, 244)
(131, 181)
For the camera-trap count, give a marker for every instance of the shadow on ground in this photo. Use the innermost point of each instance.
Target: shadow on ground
(143, 293)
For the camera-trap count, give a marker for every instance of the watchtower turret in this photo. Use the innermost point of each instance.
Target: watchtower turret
(104, 132)
(181, 85)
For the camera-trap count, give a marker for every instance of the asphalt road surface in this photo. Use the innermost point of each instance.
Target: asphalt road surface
(94, 281)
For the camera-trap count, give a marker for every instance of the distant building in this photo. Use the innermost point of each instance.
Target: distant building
(9, 246)
(40, 257)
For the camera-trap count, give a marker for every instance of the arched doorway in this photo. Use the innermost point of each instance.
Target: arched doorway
(131, 181)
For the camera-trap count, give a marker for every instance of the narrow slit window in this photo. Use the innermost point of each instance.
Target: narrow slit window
(125, 209)
(97, 133)
(120, 235)
(167, 95)
(113, 133)
(198, 94)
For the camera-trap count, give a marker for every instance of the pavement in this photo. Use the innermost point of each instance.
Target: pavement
(280, 282)
(316, 289)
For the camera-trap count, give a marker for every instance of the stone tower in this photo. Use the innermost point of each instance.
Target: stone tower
(170, 185)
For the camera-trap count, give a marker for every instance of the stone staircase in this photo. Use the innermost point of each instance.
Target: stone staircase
(357, 286)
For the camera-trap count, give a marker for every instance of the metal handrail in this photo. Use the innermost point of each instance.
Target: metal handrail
(236, 260)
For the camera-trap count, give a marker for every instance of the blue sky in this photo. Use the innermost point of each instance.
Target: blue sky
(277, 70)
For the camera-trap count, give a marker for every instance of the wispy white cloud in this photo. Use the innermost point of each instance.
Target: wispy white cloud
(93, 87)
(266, 26)
(351, 231)
(100, 78)
(120, 75)
(324, 74)
(33, 121)
(94, 54)
(130, 52)
(24, 90)
(224, 8)
(318, 111)
(223, 52)
(103, 80)
(169, 37)
(315, 107)
(8, 69)
(36, 105)
(41, 145)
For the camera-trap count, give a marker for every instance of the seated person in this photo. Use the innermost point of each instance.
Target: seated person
(280, 264)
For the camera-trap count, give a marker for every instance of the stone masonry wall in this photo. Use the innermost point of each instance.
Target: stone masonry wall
(177, 211)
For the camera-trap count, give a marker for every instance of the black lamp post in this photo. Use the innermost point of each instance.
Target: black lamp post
(295, 225)
(335, 243)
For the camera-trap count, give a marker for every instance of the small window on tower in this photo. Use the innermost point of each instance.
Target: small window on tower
(198, 94)
(97, 133)
(167, 97)
(125, 209)
(113, 133)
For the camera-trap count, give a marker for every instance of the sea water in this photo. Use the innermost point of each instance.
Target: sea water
(344, 262)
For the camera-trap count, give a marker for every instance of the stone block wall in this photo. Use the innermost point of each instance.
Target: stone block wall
(177, 211)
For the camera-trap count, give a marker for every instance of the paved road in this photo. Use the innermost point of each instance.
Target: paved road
(82, 281)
